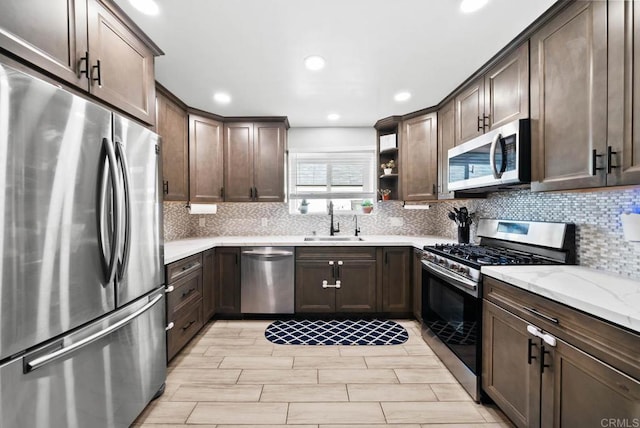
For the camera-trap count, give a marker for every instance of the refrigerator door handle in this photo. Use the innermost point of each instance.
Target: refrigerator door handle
(126, 178)
(39, 362)
(111, 263)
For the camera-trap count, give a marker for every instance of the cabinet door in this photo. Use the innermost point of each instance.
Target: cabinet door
(238, 165)
(416, 279)
(310, 295)
(357, 292)
(227, 284)
(172, 126)
(569, 99)
(623, 163)
(469, 105)
(420, 158)
(506, 91)
(446, 141)
(396, 279)
(208, 284)
(268, 162)
(51, 34)
(125, 75)
(507, 376)
(205, 160)
(579, 390)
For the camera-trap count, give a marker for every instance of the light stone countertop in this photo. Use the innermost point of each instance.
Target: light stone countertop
(613, 298)
(176, 250)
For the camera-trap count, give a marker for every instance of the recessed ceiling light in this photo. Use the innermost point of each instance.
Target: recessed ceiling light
(333, 116)
(468, 6)
(314, 62)
(148, 7)
(402, 96)
(222, 98)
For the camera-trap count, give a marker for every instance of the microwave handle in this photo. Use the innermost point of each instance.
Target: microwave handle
(492, 156)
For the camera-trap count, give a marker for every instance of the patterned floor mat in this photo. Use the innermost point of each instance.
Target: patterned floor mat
(348, 332)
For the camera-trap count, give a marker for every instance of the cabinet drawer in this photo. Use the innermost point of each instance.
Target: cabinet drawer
(186, 291)
(184, 328)
(336, 253)
(183, 267)
(606, 341)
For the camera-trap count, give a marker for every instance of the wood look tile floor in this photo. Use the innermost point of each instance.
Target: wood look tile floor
(230, 376)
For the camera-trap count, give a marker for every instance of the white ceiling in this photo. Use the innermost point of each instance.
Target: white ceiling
(254, 50)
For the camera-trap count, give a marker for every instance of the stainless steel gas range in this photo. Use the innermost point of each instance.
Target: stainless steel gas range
(452, 286)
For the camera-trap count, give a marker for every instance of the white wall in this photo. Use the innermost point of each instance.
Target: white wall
(331, 139)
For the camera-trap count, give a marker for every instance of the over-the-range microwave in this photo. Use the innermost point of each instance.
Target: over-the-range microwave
(497, 160)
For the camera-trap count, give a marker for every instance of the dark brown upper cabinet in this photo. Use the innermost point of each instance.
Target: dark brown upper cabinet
(498, 97)
(173, 127)
(446, 141)
(419, 154)
(254, 155)
(205, 160)
(569, 99)
(122, 68)
(623, 132)
(51, 34)
(90, 44)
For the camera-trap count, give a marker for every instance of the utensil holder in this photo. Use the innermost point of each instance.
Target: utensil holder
(463, 235)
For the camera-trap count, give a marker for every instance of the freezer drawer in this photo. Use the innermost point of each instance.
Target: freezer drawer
(93, 377)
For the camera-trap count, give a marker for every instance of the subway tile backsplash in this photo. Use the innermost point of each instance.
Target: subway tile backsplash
(596, 215)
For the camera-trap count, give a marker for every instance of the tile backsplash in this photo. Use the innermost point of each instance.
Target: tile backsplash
(596, 215)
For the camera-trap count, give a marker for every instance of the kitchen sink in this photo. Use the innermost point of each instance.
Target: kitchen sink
(333, 238)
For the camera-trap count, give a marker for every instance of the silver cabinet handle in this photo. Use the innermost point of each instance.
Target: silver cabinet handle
(169, 289)
(169, 327)
(541, 315)
(46, 359)
(325, 284)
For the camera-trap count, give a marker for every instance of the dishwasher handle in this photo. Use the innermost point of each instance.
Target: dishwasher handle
(269, 253)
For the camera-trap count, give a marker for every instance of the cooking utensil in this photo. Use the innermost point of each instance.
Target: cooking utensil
(453, 216)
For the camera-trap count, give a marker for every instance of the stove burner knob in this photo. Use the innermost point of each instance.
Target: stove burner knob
(464, 270)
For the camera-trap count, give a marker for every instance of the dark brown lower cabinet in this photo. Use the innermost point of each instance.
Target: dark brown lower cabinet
(208, 284)
(396, 279)
(184, 292)
(537, 373)
(335, 280)
(416, 280)
(227, 283)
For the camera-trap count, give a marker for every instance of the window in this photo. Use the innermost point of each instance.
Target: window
(345, 178)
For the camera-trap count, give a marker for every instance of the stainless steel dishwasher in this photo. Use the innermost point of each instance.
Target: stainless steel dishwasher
(267, 280)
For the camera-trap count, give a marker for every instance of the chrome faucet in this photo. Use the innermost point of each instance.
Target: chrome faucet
(333, 230)
(355, 217)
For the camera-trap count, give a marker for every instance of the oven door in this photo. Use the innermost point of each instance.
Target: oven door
(453, 315)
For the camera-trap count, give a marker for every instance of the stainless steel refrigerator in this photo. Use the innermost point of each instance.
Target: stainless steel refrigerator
(82, 339)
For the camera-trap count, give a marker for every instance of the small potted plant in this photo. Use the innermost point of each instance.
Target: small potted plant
(387, 167)
(385, 193)
(304, 206)
(367, 206)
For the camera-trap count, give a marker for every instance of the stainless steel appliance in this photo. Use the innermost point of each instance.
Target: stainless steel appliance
(452, 286)
(82, 299)
(267, 280)
(498, 159)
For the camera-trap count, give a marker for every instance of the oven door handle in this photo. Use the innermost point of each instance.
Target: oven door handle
(445, 274)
